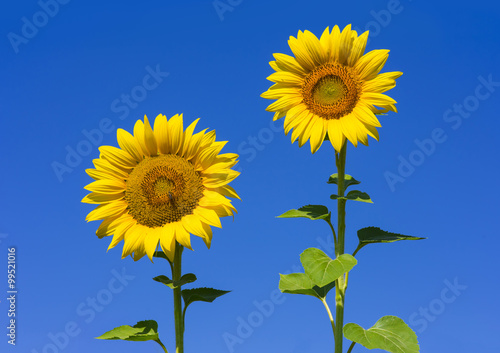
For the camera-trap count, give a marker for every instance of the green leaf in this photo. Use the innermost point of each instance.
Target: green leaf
(370, 235)
(313, 212)
(300, 283)
(142, 331)
(187, 278)
(165, 280)
(348, 180)
(321, 269)
(162, 255)
(354, 195)
(390, 333)
(201, 294)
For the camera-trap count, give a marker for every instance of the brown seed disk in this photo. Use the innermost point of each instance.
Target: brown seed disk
(162, 189)
(331, 91)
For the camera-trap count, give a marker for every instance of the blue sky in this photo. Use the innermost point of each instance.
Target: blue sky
(87, 68)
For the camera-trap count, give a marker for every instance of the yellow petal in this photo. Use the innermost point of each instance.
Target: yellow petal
(149, 138)
(167, 241)
(326, 43)
(288, 63)
(366, 115)
(318, 133)
(305, 119)
(335, 134)
(228, 191)
(216, 180)
(151, 242)
(285, 103)
(208, 234)
(175, 130)
(286, 77)
(208, 216)
(306, 133)
(108, 226)
(370, 64)
(194, 145)
(346, 40)
(188, 137)
(301, 54)
(358, 48)
(107, 186)
(96, 198)
(335, 43)
(161, 133)
(98, 174)
(139, 136)
(349, 129)
(281, 92)
(117, 157)
(378, 99)
(129, 144)
(381, 83)
(182, 235)
(314, 48)
(107, 210)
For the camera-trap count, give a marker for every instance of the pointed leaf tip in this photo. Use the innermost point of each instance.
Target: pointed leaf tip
(146, 330)
(371, 235)
(201, 294)
(312, 212)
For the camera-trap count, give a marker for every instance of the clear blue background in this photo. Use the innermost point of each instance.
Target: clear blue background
(65, 79)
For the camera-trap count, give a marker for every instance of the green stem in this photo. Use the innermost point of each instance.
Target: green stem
(333, 231)
(357, 249)
(161, 344)
(329, 314)
(351, 347)
(339, 250)
(179, 324)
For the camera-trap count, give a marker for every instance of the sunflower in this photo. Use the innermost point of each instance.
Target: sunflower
(160, 186)
(330, 89)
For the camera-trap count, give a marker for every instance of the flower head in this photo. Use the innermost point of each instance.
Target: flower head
(160, 186)
(330, 88)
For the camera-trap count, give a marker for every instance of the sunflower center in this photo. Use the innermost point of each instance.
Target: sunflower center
(163, 189)
(331, 91)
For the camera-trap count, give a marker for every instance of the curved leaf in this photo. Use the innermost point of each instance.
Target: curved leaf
(348, 180)
(313, 212)
(390, 333)
(142, 331)
(201, 294)
(187, 278)
(354, 195)
(371, 235)
(321, 269)
(300, 283)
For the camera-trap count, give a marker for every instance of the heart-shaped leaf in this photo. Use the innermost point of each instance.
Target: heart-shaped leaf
(313, 212)
(348, 180)
(390, 333)
(300, 283)
(142, 331)
(321, 269)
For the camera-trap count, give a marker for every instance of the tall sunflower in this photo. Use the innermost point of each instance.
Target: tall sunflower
(160, 186)
(330, 88)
